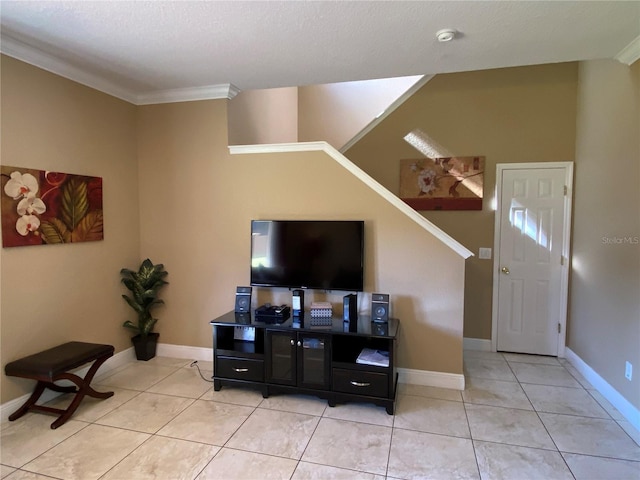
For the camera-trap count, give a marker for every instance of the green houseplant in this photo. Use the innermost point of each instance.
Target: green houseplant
(144, 286)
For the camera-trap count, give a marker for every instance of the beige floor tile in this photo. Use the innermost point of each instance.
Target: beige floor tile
(535, 359)
(491, 369)
(249, 397)
(89, 454)
(170, 362)
(5, 470)
(312, 471)
(106, 370)
(207, 422)
(509, 462)
(22, 475)
(360, 412)
(24, 439)
(633, 432)
(158, 411)
(350, 445)
(91, 408)
(586, 467)
(138, 376)
(482, 355)
(590, 436)
(273, 432)
(305, 404)
(424, 455)
(431, 415)
(231, 464)
(205, 365)
(498, 393)
(567, 400)
(431, 392)
(606, 404)
(507, 425)
(544, 375)
(164, 458)
(579, 377)
(186, 382)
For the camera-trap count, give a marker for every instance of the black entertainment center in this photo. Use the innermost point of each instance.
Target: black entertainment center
(295, 356)
(346, 358)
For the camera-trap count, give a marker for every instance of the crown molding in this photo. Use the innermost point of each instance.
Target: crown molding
(209, 92)
(26, 53)
(36, 57)
(631, 53)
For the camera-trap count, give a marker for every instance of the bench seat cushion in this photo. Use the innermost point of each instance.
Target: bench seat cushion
(46, 365)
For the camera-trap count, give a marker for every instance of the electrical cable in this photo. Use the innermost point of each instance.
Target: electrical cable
(195, 364)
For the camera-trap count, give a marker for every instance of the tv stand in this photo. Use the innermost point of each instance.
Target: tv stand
(298, 357)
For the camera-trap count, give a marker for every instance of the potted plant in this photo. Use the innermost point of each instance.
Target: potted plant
(144, 286)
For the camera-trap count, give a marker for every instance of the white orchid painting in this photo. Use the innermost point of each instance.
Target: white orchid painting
(43, 207)
(451, 183)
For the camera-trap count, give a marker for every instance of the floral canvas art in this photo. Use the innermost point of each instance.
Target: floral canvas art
(43, 207)
(452, 183)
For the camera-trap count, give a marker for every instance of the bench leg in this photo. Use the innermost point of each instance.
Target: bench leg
(83, 388)
(40, 386)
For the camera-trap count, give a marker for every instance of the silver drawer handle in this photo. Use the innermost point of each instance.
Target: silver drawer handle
(359, 384)
(240, 370)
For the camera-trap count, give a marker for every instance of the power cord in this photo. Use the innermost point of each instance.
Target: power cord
(195, 364)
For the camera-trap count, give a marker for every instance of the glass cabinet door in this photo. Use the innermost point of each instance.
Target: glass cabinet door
(314, 360)
(281, 361)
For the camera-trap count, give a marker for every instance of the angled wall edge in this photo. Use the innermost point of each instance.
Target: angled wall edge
(364, 177)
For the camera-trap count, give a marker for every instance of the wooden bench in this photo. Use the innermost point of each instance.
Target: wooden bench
(55, 364)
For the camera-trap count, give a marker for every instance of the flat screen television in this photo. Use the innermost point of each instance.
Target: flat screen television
(313, 254)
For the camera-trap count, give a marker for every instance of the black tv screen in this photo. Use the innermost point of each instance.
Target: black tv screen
(313, 254)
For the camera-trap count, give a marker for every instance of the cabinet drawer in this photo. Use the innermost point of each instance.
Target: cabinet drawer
(363, 383)
(240, 369)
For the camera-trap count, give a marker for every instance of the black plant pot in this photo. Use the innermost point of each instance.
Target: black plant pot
(145, 347)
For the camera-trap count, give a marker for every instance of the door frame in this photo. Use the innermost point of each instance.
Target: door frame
(566, 246)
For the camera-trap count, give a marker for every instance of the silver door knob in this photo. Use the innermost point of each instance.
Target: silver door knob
(505, 270)
(293, 342)
(299, 343)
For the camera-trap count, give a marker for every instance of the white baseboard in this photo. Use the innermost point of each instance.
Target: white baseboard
(476, 344)
(184, 351)
(431, 379)
(626, 408)
(119, 359)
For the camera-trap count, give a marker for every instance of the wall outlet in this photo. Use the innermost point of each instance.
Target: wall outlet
(484, 253)
(628, 371)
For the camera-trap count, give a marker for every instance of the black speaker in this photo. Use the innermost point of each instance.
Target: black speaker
(243, 299)
(297, 303)
(350, 307)
(380, 307)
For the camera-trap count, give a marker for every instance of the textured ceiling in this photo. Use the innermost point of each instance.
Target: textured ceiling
(135, 48)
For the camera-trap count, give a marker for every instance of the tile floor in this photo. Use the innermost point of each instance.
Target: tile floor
(520, 417)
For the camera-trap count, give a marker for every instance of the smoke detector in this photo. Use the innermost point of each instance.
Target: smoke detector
(446, 35)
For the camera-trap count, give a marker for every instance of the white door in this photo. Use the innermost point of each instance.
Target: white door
(530, 281)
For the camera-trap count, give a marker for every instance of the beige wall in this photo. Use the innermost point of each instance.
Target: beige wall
(524, 114)
(337, 112)
(604, 322)
(56, 293)
(173, 193)
(263, 116)
(196, 205)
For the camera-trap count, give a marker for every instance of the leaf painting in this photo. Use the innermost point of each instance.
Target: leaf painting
(42, 207)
